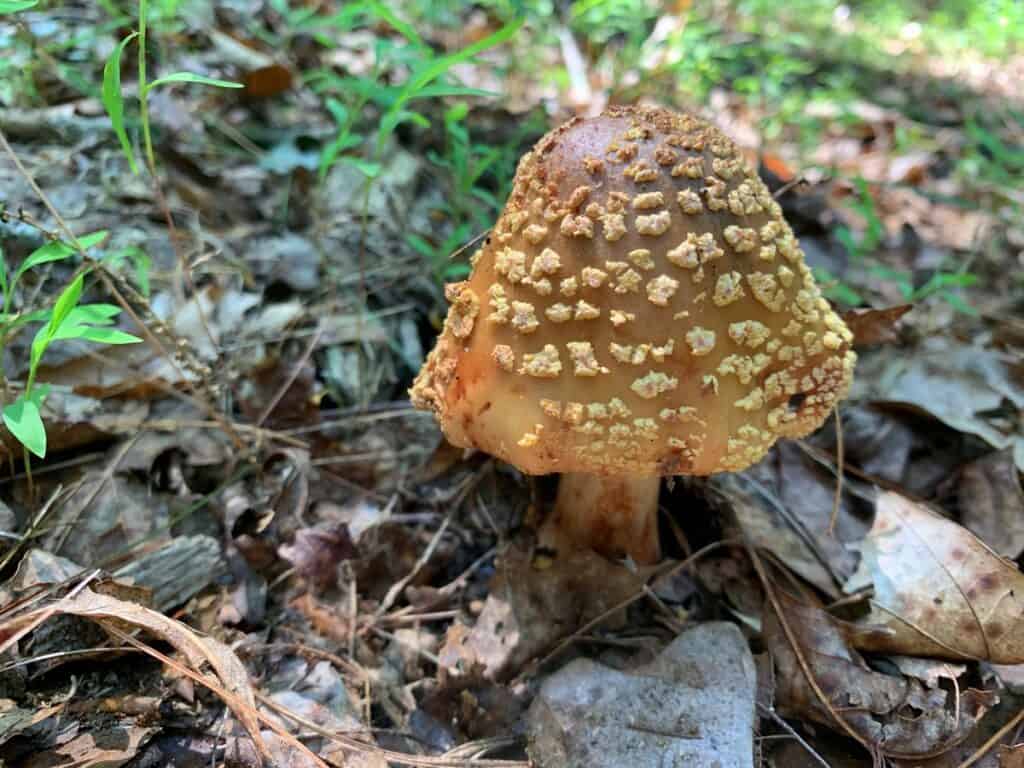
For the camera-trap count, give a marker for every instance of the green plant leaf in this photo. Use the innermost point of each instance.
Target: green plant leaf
(902, 280)
(65, 304)
(369, 169)
(93, 238)
(94, 314)
(113, 100)
(835, 289)
(433, 91)
(13, 6)
(421, 246)
(958, 303)
(338, 110)
(24, 422)
(111, 336)
(405, 30)
(430, 71)
(190, 77)
(941, 280)
(456, 271)
(140, 261)
(14, 320)
(57, 250)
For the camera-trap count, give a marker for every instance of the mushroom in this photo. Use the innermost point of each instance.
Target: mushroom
(640, 309)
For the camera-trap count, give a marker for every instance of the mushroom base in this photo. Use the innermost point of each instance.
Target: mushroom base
(616, 516)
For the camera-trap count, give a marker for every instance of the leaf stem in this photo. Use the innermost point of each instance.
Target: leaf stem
(147, 138)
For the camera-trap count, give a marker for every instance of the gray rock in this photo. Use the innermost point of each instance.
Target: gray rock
(692, 706)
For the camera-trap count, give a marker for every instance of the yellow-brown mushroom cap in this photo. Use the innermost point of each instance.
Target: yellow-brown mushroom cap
(640, 307)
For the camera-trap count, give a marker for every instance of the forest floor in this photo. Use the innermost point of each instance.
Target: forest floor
(243, 543)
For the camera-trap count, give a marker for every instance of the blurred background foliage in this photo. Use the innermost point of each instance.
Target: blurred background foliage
(928, 84)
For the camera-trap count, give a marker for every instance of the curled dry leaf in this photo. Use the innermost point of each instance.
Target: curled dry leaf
(875, 326)
(900, 715)
(938, 589)
(197, 650)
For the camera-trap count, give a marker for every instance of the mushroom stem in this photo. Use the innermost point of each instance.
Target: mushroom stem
(613, 515)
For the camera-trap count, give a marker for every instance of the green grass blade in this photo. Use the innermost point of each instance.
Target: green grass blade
(433, 69)
(13, 6)
(114, 101)
(189, 77)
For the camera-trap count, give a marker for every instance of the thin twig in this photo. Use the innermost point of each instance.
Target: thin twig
(387, 754)
(44, 614)
(296, 370)
(993, 740)
(401, 584)
(792, 732)
(839, 474)
(798, 652)
(36, 522)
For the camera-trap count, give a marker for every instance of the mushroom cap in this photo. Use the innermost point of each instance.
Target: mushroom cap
(640, 307)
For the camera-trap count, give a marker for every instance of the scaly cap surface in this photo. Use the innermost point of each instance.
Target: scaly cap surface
(640, 307)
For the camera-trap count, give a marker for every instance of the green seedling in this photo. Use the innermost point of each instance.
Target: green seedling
(66, 320)
(113, 98)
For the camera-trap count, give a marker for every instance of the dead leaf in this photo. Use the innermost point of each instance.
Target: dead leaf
(777, 166)
(267, 81)
(102, 514)
(962, 385)
(316, 553)
(1011, 757)
(475, 707)
(104, 747)
(991, 502)
(197, 650)
(875, 326)
(534, 602)
(14, 719)
(784, 504)
(938, 589)
(898, 714)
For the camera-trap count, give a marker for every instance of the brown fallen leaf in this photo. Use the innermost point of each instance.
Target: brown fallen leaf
(938, 589)
(875, 326)
(112, 745)
(534, 602)
(267, 81)
(316, 552)
(1011, 757)
(14, 719)
(991, 502)
(900, 715)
